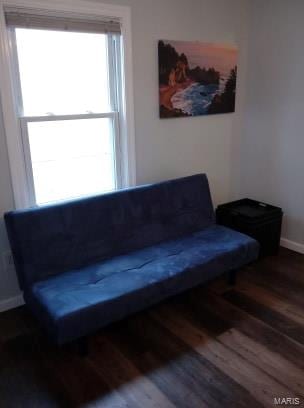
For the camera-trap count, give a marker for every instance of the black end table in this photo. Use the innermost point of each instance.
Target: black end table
(258, 220)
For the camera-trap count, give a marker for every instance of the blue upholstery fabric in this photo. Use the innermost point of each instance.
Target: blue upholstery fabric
(53, 239)
(89, 262)
(78, 302)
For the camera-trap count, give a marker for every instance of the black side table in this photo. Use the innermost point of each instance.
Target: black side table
(259, 220)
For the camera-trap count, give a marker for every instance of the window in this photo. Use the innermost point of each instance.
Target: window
(68, 94)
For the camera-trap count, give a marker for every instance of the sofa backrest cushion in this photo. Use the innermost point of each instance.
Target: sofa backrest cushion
(52, 239)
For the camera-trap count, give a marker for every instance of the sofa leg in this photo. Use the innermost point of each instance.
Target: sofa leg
(232, 277)
(83, 346)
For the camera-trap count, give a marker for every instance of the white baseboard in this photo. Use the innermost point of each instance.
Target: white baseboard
(11, 303)
(294, 246)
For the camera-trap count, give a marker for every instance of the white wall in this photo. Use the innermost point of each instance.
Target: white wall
(177, 147)
(173, 147)
(272, 166)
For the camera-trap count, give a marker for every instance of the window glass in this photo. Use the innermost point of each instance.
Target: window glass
(62, 72)
(71, 158)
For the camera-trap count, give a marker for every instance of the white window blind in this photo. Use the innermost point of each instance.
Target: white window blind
(19, 19)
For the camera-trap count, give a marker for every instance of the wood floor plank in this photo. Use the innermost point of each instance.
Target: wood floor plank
(24, 382)
(217, 386)
(261, 386)
(272, 301)
(288, 264)
(203, 302)
(160, 371)
(282, 285)
(121, 374)
(269, 316)
(271, 363)
(291, 262)
(249, 284)
(16, 322)
(78, 381)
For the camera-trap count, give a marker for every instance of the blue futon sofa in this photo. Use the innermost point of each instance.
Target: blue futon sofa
(86, 263)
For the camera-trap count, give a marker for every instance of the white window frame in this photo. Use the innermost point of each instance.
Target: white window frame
(114, 74)
(16, 129)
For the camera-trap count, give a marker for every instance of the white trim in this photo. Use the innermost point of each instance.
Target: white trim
(11, 303)
(114, 76)
(294, 246)
(127, 120)
(28, 162)
(11, 124)
(50, 118)
(118, 165)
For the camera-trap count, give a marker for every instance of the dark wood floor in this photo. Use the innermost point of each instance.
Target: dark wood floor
(214, 346)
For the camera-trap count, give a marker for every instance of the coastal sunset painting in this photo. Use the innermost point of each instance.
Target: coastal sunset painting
(196, 78)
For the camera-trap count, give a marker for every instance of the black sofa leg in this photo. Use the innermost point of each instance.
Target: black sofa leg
(83, 346)
(232, 277)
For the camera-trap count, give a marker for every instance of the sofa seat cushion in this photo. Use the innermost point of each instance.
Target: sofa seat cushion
(80, 301)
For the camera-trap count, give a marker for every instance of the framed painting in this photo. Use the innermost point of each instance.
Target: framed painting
(196, 78)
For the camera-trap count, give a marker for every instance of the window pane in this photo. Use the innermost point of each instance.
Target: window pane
(62, 72)
(71, 158)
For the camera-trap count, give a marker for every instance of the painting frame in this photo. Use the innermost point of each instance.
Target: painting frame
(196, 78)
